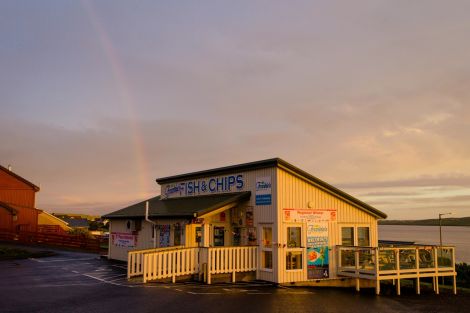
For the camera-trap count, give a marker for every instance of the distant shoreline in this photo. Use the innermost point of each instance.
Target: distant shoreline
(461, 221)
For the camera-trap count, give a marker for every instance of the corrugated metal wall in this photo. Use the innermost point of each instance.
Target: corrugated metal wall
(21, 196)
(144, 236)
(296, 193)
(265, 214)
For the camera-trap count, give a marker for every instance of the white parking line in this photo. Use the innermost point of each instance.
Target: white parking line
(61, 260)
(107, 282)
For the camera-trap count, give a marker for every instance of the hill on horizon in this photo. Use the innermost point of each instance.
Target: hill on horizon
(448, 221)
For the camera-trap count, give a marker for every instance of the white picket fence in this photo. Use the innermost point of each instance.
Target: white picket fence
(135, 260)
(222, 260)
(170, 264)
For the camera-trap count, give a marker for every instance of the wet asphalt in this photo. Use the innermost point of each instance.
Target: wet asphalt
(84, 282)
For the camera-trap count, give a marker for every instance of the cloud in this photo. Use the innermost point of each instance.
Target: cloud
(423, 181)
(368, 97)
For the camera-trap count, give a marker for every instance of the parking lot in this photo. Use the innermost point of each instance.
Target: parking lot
(83, 282)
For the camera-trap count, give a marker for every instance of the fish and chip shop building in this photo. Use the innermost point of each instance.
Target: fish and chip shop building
(268, 218)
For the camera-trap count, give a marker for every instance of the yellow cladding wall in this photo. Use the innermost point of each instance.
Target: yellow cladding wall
(264, 214)
(296, 193)
(45, 218)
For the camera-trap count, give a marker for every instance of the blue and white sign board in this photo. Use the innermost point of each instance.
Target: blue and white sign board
(263, 191)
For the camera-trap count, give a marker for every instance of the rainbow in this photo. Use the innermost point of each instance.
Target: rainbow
(126, 95)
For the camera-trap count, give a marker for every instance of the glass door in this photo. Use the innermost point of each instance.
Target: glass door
(219, 234)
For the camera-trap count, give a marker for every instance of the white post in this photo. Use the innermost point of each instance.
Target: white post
(418, 287)
(455, 275)
(209, 261)
(397, 259)
(377, 274)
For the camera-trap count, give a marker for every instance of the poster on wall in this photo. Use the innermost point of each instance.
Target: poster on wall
(263, 191)
(317, 262)
(317, 250)
(164, 236)
(249, 216)
(252, 236)
(124, 240)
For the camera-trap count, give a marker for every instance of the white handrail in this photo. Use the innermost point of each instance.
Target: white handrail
(222, 260)
(135, 259)
(170, 263)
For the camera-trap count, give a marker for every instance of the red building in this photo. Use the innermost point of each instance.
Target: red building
(17, 202)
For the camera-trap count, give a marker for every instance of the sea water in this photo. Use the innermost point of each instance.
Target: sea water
(458, 236)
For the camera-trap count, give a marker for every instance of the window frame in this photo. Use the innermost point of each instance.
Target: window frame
(354, 242)
(300, 249)
(356, 233)
(266, 248)
(368, 235)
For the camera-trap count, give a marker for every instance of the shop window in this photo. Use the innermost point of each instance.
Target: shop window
(198, 235)
(294, 260)
(219, 234)
(347, 236)
(164, 235)
(363, 236)
(267, 248)
(236, 232)
(177, 235)
(267, 237)
(294, 237)
(267, 257)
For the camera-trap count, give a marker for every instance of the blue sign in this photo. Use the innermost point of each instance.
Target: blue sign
(263, 191)
(263, 199)
(206, 185)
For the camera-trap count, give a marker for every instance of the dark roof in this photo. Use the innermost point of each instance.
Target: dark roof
(75, 222)
(8, 207)
(280, 163)
(36, 188)
(180, 207)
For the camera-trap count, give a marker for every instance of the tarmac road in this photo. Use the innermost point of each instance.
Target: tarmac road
(82, 282)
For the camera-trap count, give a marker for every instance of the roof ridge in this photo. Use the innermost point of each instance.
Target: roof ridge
(24, 180)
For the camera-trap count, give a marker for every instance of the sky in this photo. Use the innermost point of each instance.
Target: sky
(99, 98)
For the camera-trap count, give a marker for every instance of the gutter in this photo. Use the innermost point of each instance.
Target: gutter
(151, 222)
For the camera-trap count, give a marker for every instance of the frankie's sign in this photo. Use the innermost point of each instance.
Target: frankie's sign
(229, 183)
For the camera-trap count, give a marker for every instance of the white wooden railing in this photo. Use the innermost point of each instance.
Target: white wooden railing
(221, 260)
(135, 260)
(395, 263)
(170, 263)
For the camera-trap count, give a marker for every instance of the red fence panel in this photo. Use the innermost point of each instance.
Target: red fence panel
(53, 239)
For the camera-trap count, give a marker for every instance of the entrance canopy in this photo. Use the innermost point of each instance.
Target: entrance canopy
(195, 206)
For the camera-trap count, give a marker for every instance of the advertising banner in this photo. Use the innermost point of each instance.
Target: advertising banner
(317, 235)
(309, 215)
(125, 240)
(317, 250)
(263, 191)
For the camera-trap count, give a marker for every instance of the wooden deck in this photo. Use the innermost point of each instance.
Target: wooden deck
(396, 263)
